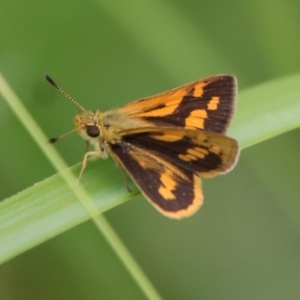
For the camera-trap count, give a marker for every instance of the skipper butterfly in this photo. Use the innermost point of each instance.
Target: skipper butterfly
(167, 142)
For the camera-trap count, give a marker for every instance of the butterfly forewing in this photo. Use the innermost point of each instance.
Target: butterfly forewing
(206, 104)
(205, 154)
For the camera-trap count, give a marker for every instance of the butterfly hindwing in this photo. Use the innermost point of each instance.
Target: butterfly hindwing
(206, 104)
(175, 193)
(165, 164)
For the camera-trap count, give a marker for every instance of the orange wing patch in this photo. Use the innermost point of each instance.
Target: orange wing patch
(160, 105)
(168, 185)
(213, 103)
(196, 119)
(194, 154)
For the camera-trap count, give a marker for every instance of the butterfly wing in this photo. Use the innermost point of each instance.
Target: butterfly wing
(165, 164)
(206, 104)
(175, 193)
(205, 154)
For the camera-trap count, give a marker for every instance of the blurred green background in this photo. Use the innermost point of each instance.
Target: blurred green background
(244, 243)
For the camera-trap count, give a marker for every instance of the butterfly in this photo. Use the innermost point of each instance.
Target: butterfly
(167, 142)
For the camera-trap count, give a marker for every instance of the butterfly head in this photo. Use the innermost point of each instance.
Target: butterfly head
(87, 124)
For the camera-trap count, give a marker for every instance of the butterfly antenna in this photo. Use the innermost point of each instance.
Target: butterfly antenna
(55, 139)
(50, 80)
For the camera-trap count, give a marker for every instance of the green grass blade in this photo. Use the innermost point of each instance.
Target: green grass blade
(76, 192)
(49, 208)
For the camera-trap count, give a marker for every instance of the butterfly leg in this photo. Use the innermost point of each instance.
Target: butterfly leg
(84, 161)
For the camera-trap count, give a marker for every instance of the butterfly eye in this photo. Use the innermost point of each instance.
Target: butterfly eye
(92, 130)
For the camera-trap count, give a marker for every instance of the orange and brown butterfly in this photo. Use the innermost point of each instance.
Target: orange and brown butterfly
(168, 141)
